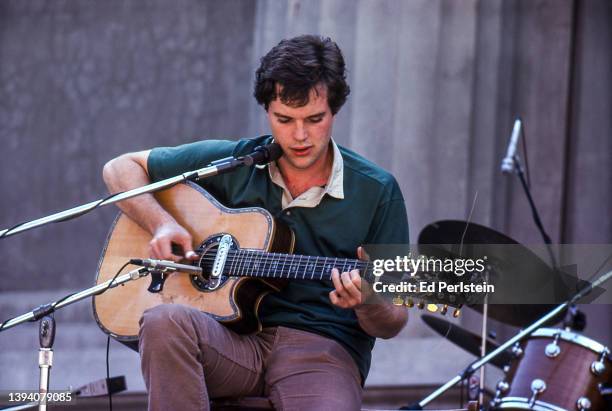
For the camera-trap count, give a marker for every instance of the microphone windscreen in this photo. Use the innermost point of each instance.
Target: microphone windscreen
(274, 151)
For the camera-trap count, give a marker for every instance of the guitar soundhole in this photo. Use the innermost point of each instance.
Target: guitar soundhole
(208, 251)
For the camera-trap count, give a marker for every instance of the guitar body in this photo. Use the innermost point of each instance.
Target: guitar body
(234, 303)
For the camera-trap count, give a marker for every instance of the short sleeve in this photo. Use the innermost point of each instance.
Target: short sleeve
(390, 223)
(166, 162)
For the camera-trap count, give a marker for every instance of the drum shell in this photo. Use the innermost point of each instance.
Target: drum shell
(567, 376)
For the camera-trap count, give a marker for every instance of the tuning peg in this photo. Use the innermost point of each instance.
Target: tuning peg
(432, 308)
(409, 302)
(456, 313)
(444, 309)
(421, 305)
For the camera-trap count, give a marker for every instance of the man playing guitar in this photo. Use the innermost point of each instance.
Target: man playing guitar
(314, 350)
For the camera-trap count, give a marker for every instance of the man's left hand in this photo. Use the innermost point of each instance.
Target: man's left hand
(347, 293)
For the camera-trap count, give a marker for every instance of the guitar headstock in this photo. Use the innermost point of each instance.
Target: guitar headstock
(443, 293)
(432, 308)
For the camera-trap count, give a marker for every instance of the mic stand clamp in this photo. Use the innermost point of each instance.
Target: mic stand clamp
(46, 334)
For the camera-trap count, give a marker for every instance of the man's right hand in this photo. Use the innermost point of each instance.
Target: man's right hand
(129, 171)
(167, 234)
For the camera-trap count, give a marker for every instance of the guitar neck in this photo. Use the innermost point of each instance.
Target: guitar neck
(255, 263)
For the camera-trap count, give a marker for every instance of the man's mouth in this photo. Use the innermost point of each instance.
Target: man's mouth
(301, 151)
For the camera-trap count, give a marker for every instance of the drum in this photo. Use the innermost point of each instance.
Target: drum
(556, 370)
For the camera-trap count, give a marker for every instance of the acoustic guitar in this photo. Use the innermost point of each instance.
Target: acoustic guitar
(244, 253)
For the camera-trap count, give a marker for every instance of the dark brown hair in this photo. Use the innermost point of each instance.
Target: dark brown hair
(298, 65)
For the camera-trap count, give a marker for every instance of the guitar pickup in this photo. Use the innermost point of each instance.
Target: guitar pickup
(225, 245)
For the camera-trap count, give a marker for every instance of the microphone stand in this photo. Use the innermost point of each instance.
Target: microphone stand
(46, 309)
(217, 167)
(47, 327)
(520, 336)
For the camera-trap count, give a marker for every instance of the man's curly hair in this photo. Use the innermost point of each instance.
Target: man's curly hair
(298, 65)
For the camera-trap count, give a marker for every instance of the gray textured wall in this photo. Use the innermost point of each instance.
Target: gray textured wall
(436, 85)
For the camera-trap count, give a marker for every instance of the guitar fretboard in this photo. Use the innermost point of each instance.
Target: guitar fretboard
(256, 263)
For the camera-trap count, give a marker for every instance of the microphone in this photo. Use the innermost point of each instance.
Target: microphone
(507, 165)
(166, 265)
(263, 155)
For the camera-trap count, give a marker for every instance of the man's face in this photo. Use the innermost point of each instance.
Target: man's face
(302, 132)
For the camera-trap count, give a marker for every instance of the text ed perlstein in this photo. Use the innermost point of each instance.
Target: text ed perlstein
(412, 266)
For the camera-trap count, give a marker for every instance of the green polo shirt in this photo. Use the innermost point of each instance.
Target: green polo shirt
(371, 212)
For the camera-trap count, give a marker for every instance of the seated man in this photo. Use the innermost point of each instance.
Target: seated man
(315, 348)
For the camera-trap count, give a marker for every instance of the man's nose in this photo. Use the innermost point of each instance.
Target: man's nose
(300, 132)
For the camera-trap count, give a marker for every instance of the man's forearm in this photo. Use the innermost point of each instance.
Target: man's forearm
(122, 174)
(382, 320)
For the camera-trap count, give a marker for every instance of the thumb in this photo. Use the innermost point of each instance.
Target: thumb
(361, 254)
(186, 246)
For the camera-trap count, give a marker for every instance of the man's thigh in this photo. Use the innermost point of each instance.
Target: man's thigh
(231, 364)
(306, 371)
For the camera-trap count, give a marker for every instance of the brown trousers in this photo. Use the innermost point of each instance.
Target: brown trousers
(188, 357)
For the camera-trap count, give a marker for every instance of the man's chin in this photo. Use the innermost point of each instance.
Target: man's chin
(301, 163)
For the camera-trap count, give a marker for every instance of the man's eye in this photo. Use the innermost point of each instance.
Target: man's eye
(284, 120)
(316, 119)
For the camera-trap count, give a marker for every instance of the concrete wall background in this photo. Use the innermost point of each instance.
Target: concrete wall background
(436, 86)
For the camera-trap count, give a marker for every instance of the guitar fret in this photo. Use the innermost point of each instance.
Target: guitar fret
(251, 262)
(284, 260)
(263, 260)
(314, 267)
(326, 268)
(274, 265)
(299, 265)
(239, 263)
(242, 262)
(292, 266)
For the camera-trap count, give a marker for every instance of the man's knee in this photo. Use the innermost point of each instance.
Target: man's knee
(161, 321)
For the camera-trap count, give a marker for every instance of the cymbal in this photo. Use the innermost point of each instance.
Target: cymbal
(511, 268)
(465, 339)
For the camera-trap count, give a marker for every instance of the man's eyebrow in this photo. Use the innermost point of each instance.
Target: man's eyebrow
(322, 113)
(280, 115)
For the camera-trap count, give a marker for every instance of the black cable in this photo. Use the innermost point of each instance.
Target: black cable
(525, 156)
(110, 396)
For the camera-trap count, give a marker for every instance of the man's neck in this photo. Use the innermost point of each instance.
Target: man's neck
(299, 181)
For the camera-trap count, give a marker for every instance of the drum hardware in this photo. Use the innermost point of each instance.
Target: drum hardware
(553, 350)
(578, 355)
(598, 367)
(502, 387)
(517, 350)
(583, 404)
(604, 389)
(466, 340)
(538, 386)
(522, 335)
